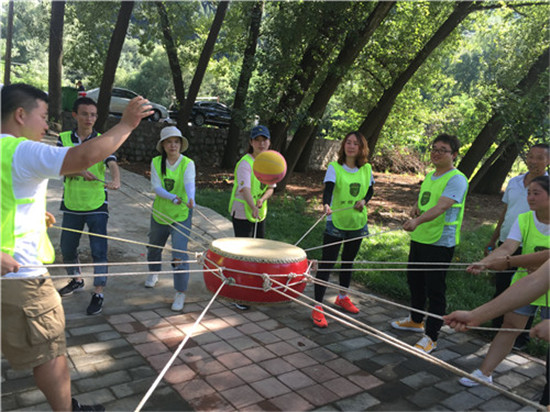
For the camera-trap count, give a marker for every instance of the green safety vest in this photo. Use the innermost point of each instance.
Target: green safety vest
(45, 250)
(257, 190)
(79, 194)
(172, 181)
(533, 241)
(430, 192)
(349, 188)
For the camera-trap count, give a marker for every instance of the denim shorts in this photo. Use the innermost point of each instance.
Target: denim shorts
(530, 310)
(345, 234)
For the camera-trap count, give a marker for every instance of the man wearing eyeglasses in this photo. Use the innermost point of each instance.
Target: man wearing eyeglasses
(85, 203)
(435, 231)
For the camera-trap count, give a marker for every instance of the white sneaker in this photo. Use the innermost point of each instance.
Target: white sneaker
(151, 281)
(471, 383)
(179, 300)
(426, 344)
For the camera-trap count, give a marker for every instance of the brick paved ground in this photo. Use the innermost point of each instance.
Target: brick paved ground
(267, 358)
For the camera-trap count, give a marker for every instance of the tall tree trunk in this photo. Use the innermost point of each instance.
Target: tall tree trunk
(486, 137)
(55, 59)
(9, 42)
(492, 181)
(303, 161)
(185, 111)
(238, 122)
(354, 43)
(172, 53)
(111, 62)
(375, 120)
(315, 55)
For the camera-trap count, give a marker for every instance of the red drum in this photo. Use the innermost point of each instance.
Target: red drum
(245, 260)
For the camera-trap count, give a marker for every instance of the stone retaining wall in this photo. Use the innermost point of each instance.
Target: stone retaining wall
(205, 148)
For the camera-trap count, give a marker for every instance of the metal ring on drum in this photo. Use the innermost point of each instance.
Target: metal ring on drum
(247, 262)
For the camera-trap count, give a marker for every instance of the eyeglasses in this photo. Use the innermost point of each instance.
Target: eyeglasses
(440, 151)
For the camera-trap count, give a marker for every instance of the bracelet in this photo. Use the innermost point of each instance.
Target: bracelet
(507, 261)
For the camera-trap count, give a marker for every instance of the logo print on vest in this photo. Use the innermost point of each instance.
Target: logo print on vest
(425, 198)
(169, 184)
(354, 189)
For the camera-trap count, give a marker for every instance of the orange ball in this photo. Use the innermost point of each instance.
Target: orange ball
(269, 167)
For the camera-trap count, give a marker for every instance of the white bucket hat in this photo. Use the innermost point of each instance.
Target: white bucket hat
(172, 131)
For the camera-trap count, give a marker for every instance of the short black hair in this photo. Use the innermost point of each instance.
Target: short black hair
(20, 95)
(83, 101)
(542, 181)
(544, 146)
(450, 139)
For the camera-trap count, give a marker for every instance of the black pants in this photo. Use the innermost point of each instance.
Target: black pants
(428, 285)
(330, 253)
(244, 228)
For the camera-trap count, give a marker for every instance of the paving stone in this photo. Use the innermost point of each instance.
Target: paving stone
(464, 348)
(505, 366)
(270, 387)
(291, 402)
(318, 395)
(194, 388)
(300, 360)
(251, 373)
(16, 374)
(124, 363)
(224, 380)
(123, 318)
(365, 380)
(499, 404)
(218, 348)
(269, 324)
(155, 323)
(205, 338)
(213, 402)
(90, 359)
(281, 348)
(164, 398)
(146, 315)
(342, 366)
(255, 316)
(286, 333)
(295, 380)
(16, 385)
(459, 338)
(181, 319)
(236, 320)
(342, 387)
(134, 387)
(106, 336)
(8, 402)
(518, 359)
(483, 392)
(141, 337)
(250, 328)
(302, 343)
(168, 333)
(277, 366)
(462, 401)
(320, 373)
(103, 346)
(258, 354)
(102, 381)
(178, 374)
(90, 329)
(321, 354)
(189, 355)
(389, 358)
(141, 372)
(242, 396)
(265, 337)
(234, 360)
(360, 402)
(445, 354)
(242, 343)
(426, 397)
(420, 379)
(151, 348)
(511, 380)
(386, 393)
(158, 362)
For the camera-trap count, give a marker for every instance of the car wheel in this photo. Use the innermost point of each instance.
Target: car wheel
(155, 117)
(198, 119)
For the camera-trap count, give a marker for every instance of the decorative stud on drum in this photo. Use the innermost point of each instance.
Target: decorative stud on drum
(246, 260)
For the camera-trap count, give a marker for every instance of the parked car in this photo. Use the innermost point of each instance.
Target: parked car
(121, 97)
(205, 112)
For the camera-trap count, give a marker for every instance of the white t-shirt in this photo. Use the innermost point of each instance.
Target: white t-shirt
(330, 176)
(33, 164)
(515, 197)
(515, 232)
(188, 180)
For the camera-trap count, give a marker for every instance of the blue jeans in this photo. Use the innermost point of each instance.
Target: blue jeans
(97, 223)
(158, 235)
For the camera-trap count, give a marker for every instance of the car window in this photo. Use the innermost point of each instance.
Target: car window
(127, 94)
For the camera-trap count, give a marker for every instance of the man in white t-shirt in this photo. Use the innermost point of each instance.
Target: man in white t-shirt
(515, 203)
(33, 321)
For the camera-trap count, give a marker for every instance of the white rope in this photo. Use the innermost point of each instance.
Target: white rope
(319, 220)
(178, 350)
(68, 265)
(369, 330)
(352, 239)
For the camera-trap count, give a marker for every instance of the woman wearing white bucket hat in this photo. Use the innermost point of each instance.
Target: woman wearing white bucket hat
(173, 181)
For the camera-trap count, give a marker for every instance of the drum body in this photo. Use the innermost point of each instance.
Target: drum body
(245, 260)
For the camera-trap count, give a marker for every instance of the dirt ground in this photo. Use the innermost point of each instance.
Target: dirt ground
(394, 194)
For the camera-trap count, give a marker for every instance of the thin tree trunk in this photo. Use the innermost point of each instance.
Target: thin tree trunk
(238, 122)
(375, 120)
(486, 137)
(111, 62)
(9, 42)
(491, 183)
(185, 111)
(172, 53)
(354, 43)
(55, 59)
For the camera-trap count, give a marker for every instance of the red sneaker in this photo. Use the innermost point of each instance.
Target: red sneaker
(345, 303)
(319, 318)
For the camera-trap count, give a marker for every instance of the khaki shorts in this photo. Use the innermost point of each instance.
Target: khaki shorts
(33, 322)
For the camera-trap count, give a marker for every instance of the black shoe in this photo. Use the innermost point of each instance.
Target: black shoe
(71, 287)
(241, 307)
(95, 305)
(521, 342)
(78, 407)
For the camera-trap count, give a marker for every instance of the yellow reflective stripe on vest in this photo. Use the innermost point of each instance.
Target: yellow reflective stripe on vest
(257, 190)
(174, 183)
(79, 194)
(349, 188)
(532, 241)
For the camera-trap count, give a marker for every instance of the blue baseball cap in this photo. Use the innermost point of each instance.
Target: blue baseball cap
(259, 131)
